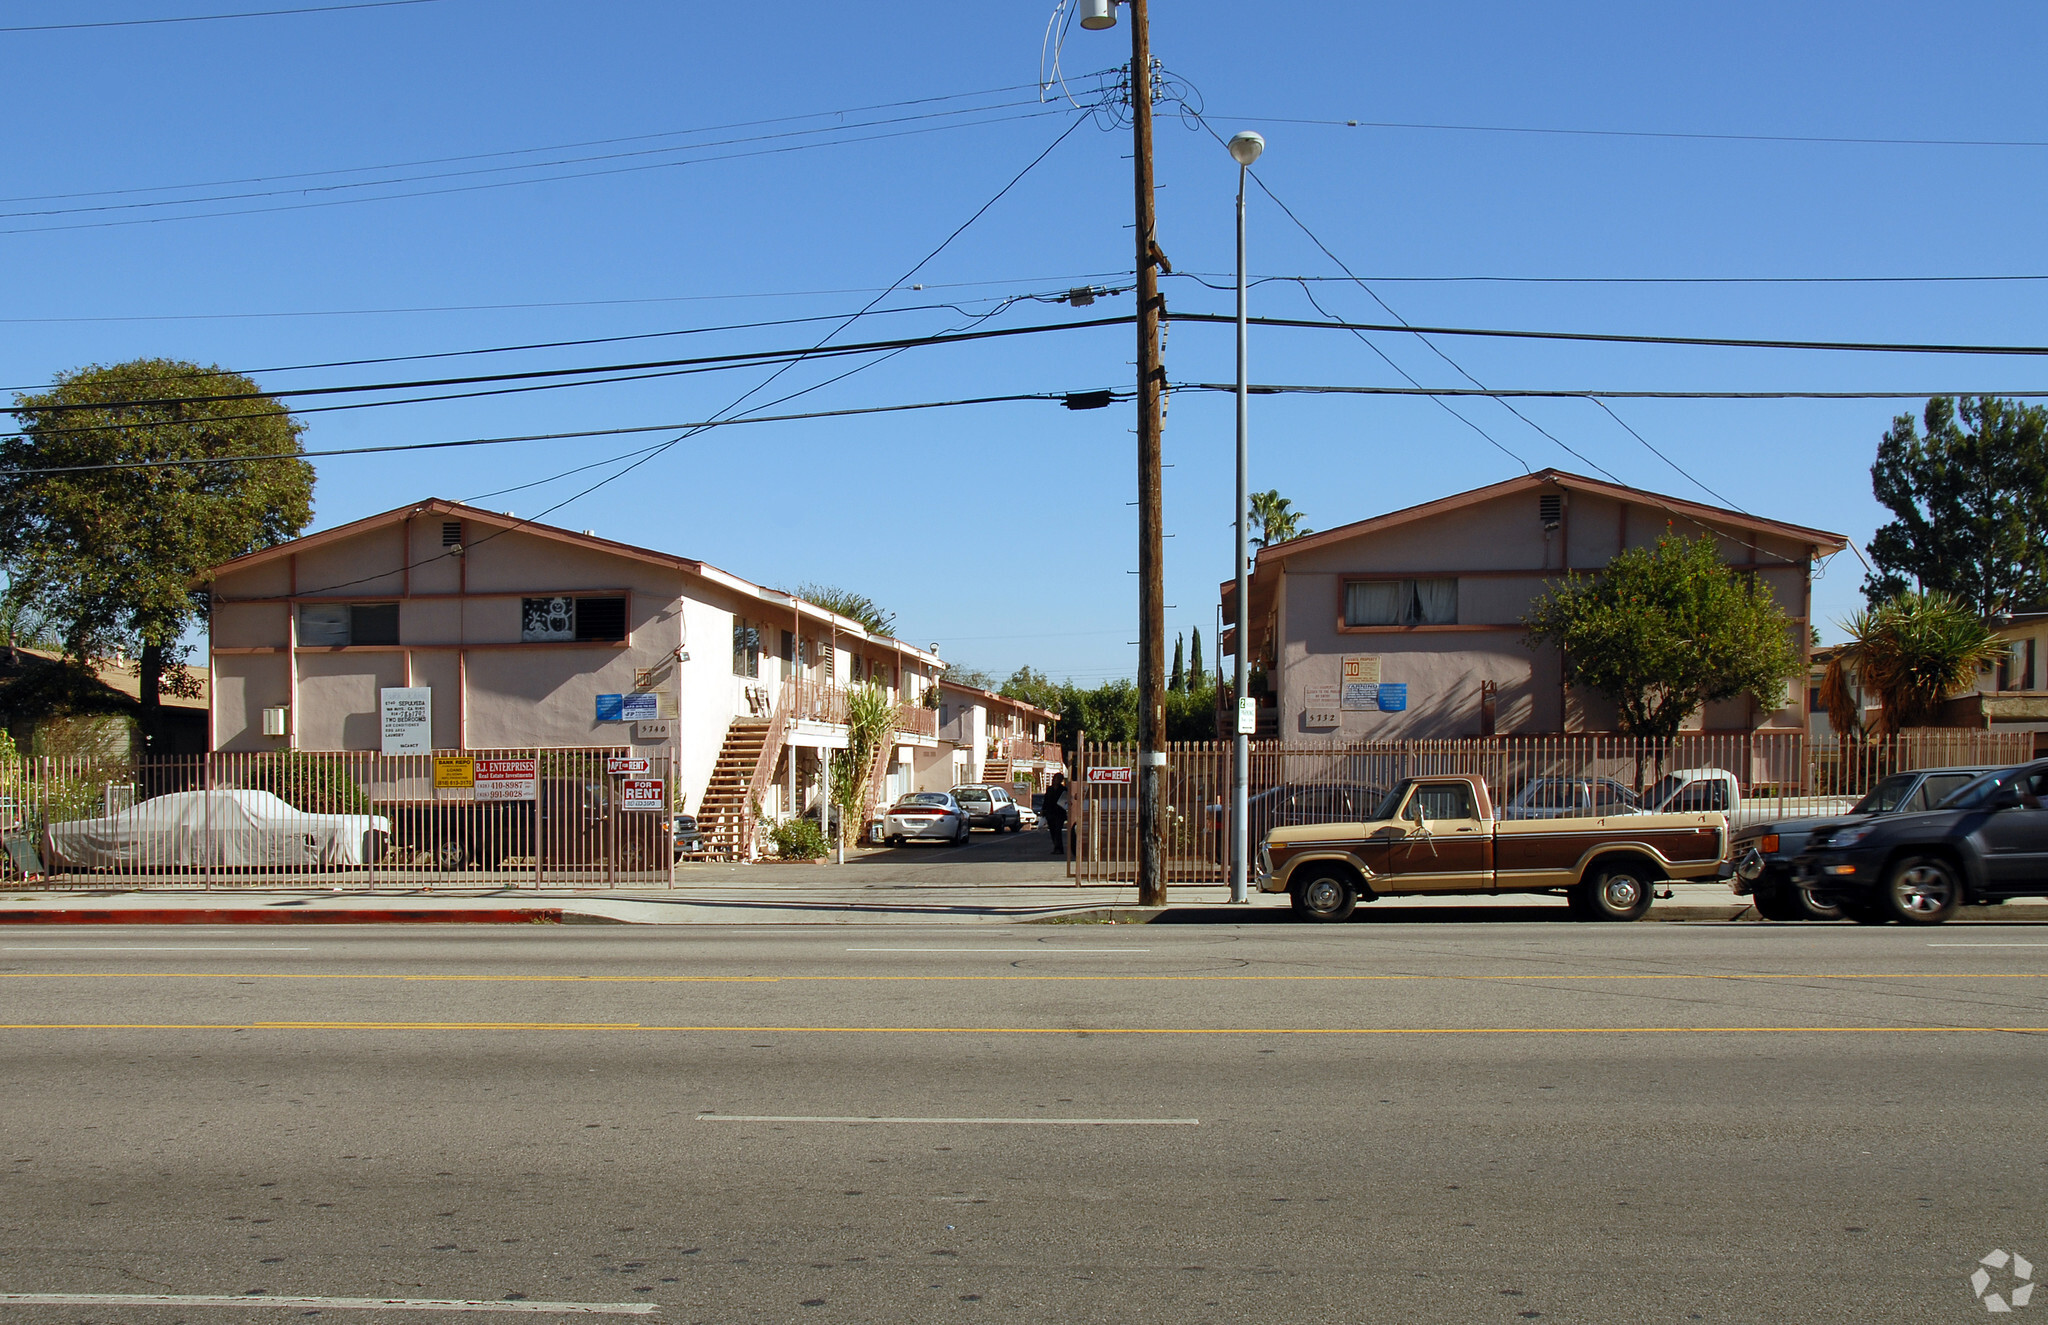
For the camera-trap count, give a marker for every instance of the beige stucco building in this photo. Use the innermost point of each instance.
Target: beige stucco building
(1427, 604)
(517, 629)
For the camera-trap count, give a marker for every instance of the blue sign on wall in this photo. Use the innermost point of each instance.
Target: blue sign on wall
(1393, 696)
(609, 708)
(639, 705)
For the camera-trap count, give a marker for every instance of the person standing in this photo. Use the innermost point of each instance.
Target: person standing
(1055, 812)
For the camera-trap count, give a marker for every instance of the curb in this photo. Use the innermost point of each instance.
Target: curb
(1223, 914)
(251, 916)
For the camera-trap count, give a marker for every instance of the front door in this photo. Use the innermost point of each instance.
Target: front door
(1451, 851)
(2016, 839)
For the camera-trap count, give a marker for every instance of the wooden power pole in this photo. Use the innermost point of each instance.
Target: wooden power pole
(1151, 558)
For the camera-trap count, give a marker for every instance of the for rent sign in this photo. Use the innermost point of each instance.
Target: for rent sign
(642, 794)
(1109, 775)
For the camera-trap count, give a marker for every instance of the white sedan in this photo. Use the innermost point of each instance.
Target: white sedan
(229, 828)
(925, 814)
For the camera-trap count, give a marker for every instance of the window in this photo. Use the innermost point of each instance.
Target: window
(788, 653)
(2016, 668)
(746, 647)
(338, 625)
(1700, 797)
(1445, 800)
(542, 620)
(1401, 602)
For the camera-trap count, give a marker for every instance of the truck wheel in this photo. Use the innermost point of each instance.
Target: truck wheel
(1325, 896)
(1923, 890)
(1774, 903)
(1619, 893)
(1817, 906)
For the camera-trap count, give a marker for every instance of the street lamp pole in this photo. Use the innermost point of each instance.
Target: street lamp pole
(1244, 149)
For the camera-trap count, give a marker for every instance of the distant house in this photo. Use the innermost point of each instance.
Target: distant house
(987, 737)
(2013, 695)
(49, 706)
(526, 635)
(1409, 624)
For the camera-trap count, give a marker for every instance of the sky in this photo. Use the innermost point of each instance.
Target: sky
(459, 175)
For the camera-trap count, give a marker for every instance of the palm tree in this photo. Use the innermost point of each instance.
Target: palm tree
(1275, 521)
(1912, 653)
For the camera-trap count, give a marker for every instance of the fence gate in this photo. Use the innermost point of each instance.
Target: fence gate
(520, 818)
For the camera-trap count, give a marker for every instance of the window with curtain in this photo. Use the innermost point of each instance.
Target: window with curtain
(1401, 602)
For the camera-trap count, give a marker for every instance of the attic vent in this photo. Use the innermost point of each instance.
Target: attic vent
(1550, 509)
(451, 533)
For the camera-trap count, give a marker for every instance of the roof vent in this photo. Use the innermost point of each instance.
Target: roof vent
(451, 533)
(1550, 510)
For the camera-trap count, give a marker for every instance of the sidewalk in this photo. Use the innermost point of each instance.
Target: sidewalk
(814, 895)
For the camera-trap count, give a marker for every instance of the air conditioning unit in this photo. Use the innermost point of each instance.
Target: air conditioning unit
(276, 721)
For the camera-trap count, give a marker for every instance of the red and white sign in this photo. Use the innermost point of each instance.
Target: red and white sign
(643, 794)
(506, 779)
(627, 766)
(1109, 775)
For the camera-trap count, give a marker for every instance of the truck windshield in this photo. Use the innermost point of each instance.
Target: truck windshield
(1886, 795)
(1660, 791)
(1391, 806)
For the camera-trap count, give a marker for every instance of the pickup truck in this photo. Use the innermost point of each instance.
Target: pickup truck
(1759, 864)
(1987, 842)
(1440, 835)
(1690, 790)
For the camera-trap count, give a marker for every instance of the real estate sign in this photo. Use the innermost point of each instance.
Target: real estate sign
(454, 773)
(506, 779)
(408, 713)
(642, 794)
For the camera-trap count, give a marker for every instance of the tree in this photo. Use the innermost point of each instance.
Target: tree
(870, 718)
(969, 676)
(1176, 679)
(1912, 653)
(1034, 688)
(1274, 521)
(1664, 630)
(1197, 678)
(114, 558)
(847, 603)
(1969, 501)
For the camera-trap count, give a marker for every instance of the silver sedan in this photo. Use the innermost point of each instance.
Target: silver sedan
(925, 814)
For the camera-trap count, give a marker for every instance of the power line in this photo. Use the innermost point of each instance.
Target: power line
(214, 18)
(1597, 393)
(1651, 133)
(1226, 281)
(739, 359)
(1622, 338)
(194, 462)
(1066, 281)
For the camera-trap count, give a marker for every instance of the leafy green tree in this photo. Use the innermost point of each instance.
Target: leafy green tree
(1969, 501)
(1275, 522)
(1035, 687)
(970, 676)
(1177, 679)
(1197, 678)
(1912, 653)
(113, 558)
(847, 603)
(1664, 630)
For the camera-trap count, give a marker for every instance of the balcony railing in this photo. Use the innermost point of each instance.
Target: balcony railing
(915, 719)
(816, 701)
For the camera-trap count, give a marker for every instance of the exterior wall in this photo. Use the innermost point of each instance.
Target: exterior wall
(1502, 556)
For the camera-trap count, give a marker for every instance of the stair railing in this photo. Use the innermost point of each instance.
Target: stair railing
(764, 766)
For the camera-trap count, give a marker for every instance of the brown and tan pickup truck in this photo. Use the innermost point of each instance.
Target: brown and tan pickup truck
(1439, 835)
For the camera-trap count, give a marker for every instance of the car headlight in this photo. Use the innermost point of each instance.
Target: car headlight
(1849, 837)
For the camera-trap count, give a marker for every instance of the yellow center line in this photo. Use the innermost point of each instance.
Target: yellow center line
(955, 979)
(1013, 1030)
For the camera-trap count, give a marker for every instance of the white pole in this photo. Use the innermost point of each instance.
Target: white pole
(1240, 796)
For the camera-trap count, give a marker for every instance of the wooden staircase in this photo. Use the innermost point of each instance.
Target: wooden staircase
(996, 771)
(723, 815)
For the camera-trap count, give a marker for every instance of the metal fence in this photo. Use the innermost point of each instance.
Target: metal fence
(592, 817)
(1777, 775)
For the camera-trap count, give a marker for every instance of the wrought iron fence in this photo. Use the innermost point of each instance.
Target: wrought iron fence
(1775, 775)
(593, 817)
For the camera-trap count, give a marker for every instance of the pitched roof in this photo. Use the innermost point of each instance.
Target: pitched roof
(1710, 517)
(505, 523)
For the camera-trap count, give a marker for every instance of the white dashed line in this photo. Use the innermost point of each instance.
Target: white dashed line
(981, 1122)
(325, 1303)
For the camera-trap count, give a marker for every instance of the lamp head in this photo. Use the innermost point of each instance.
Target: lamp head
(1098, 14)
(1245, 147)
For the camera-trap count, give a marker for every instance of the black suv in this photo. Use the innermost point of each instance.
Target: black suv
(1987, 842)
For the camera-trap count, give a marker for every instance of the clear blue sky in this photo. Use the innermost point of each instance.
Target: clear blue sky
(1003, 532)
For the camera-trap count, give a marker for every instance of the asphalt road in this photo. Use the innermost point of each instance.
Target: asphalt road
(1482, 1122)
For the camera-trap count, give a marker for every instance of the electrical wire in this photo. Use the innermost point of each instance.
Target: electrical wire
(1650, 133)
(1599, 393)
(215, 18)
(1227, 281)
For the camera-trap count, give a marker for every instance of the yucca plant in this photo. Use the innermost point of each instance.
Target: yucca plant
(870, 719)
(1912, 653)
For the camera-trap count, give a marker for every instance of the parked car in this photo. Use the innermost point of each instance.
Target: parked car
(1697, 790)
(1759, 864)
(925, 814)
(989, 806)
(1291, 805)
(689, 838)
(227, 829)
(1569, 798)
(1027, 814)
(1988, 841)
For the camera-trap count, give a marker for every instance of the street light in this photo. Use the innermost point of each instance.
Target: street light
(1244, 149)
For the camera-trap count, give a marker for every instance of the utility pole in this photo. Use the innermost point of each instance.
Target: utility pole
(1151, 556)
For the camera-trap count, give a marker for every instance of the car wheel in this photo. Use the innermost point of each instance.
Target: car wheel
(1815, 906)
(1325, 896)
(1923, 890)
(1619, 893)
(1775, 903)
(451, 856)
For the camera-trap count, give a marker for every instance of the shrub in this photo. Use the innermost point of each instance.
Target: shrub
(798, 839)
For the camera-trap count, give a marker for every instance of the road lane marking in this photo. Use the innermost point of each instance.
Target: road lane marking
(1495, 977)
(1008, 1030)
(1075, 952)
(982, 1122)
(1988, 945)
(183, 947)
(325, 1303)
